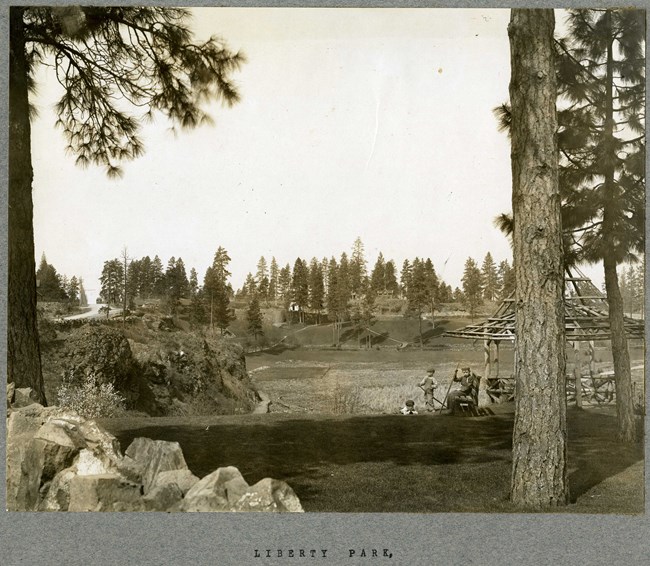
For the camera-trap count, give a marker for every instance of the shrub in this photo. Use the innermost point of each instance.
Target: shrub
(90, 398)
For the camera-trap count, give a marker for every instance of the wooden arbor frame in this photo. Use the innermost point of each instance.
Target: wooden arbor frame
(586, 320)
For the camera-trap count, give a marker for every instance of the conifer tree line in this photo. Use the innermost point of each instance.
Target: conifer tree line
(339, 290)
(53, 287)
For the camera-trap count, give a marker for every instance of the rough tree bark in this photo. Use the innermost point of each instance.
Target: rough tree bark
(23, 350)
(620, 352)
(539, 478)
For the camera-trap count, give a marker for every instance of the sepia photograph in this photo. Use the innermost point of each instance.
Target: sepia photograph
(330, 260)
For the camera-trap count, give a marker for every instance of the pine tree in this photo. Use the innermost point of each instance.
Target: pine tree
(157, 278)
(505, 279)
(316, 288)
(539, 466)
(300, 287)
(432, 285)
(218, 291)
(601, 73)
(111, 282)
(193, 283)
(405, 277)
(418, 294)
(284, 286)
(116, 65)
(391, 278)
(73, 290)
(49, 283)
(472, 287)
(274, 273)
(378, 275)
(254, 318)
(357, 267)
(490, 278)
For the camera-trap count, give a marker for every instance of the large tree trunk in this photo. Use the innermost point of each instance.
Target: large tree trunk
(23, 350)
(620, 353)
(539, 477)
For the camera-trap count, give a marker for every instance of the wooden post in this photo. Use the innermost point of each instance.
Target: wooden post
(483, 397)
(592, 358)
(577, 373)
(496, 359)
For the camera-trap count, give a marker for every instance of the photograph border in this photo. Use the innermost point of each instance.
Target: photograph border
(224, 539)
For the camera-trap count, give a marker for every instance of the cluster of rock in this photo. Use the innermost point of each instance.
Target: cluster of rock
(185, 374)
(58, 461)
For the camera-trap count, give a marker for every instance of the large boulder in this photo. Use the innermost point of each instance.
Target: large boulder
(104, 492)
(269, 495)
(163, 497)
(46, 445)
(22, 425)
(58, 461)
(155, 456)
(184, 479)
(216, 491)
(105, 353)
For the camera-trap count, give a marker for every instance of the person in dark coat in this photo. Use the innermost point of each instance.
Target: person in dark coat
(468, 390)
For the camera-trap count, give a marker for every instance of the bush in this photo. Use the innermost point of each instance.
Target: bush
(90, 398)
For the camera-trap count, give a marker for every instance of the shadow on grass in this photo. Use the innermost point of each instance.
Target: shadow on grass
(390, 462)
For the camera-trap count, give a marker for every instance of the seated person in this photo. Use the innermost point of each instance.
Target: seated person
(408, 408)
(467, 392)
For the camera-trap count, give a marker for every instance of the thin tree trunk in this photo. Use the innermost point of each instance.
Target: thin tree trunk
(620, 353)
(539, 477)
(621, 356)
(23, 349)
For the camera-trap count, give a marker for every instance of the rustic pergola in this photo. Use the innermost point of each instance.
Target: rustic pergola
(586, 320)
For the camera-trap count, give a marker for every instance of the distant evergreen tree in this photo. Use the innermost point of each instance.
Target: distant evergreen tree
(357, 267)
(390, 278)
(73, 290)
(505, 279)
(274, 273)
(145, 289)
(111, 281)
(284, 286)
(193, 283)
(49, 283)
(432, 285)
(490, 278)
(418, 292)
(405, 277)
(218, 291)
(262, 270)
(254, 318)
(316, 288)
(157, 278)
(472, 287)
(378, 275)
(300, 287)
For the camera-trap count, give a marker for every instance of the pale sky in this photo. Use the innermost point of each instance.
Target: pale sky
(374, 123)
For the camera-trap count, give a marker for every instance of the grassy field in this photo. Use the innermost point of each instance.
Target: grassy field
(418, 464)
(333, 434)
(376, 381)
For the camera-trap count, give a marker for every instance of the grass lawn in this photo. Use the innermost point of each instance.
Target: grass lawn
(391, 463)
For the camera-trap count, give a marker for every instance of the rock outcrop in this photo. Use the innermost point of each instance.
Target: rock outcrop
(58, 461)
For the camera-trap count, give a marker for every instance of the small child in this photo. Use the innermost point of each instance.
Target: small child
(408, 408)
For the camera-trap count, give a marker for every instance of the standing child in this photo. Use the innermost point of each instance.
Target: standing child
(428, 384)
